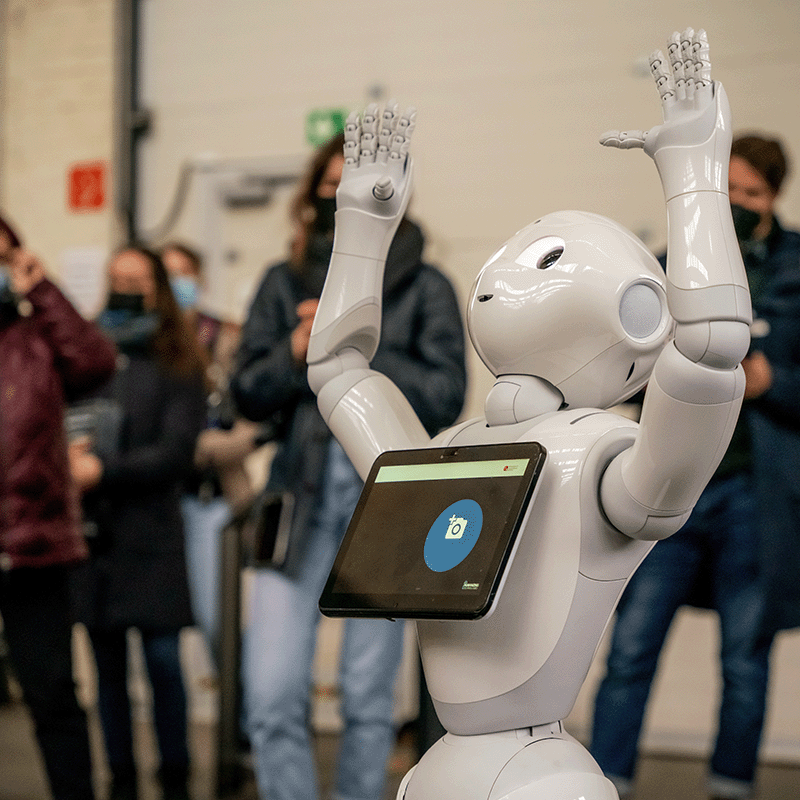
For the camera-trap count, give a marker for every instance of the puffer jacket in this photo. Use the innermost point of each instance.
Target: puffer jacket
(49, 355)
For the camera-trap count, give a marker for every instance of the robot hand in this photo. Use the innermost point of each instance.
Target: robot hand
(376, 181)
(696, 129)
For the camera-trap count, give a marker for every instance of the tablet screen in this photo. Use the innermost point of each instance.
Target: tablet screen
(433, 531)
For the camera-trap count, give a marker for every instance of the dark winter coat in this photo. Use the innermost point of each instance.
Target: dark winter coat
(49, 355)
(421, 350)
(774, 424)
(136, 575)
(769, 431)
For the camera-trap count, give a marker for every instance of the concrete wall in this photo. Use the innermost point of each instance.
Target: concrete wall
(511, 96)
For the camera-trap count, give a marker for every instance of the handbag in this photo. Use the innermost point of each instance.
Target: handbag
(266, 529)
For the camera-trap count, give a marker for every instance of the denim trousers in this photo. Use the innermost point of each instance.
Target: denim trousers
(720, 542)
(162, 659)
(37, 624)
(278, 654)
(204, 521)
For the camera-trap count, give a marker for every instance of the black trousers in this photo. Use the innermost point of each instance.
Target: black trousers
(37, 621)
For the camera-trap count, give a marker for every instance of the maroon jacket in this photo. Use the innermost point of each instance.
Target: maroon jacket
(49, 355)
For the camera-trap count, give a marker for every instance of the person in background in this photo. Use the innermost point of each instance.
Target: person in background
(48, 355)
(220, 488)
(136, 574)
(422, 350)
(739, 552)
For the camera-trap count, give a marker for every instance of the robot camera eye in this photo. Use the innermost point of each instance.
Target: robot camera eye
(482, 298)
(550, 258)
(542, 253)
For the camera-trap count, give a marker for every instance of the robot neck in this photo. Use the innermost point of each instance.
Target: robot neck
(516, 398)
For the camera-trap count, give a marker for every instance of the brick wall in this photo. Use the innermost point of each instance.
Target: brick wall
(57, 111)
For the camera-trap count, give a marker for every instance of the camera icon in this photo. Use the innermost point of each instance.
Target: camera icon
(456, 528)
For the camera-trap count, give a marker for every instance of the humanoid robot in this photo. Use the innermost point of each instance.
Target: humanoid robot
(572, 315)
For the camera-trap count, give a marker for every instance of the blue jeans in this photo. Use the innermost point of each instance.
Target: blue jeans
(204, 522)
(162, 658)
(277, 662)
(720, 541)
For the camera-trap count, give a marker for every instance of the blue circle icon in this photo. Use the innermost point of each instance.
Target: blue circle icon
(452, 537)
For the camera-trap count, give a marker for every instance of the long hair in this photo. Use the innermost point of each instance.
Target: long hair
(302, 212)
(174, 345)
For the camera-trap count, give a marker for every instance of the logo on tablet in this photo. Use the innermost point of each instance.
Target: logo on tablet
(456, 528)
(453, 535)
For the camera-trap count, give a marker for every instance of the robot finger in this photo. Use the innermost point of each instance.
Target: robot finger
(352, 140)
(677, 66)
(623, 140)
(383, 188)
(387, 128)
(402, 135)
(369, 134)
(687, 57)
(662, 75)
(702, 63)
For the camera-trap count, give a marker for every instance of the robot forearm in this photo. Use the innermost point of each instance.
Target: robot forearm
(349, 313)
(706, 279)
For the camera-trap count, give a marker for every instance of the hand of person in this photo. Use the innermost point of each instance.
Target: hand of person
(24, 271)
(376, 180)
(695, 136)
(758, 375)
(85, 467)
(306, 311)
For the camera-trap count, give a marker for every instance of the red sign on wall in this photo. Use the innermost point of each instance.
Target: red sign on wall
(86, 186)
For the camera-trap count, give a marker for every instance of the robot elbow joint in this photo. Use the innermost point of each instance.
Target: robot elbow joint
(324, 371)
(719, 344)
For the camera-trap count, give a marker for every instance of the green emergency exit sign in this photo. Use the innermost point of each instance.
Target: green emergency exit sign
(322, 124)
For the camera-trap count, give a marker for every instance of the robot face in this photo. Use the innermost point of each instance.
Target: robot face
(576, 299)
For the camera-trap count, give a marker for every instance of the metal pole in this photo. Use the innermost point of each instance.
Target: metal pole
(229, 776)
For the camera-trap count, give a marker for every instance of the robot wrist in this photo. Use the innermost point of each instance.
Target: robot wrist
(693, 157)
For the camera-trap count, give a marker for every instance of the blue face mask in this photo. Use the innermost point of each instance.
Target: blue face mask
(186, 291)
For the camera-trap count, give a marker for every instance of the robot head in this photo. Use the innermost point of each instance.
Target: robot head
(576, 299)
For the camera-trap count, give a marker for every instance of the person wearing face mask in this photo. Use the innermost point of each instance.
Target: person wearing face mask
(422, 350)
(49, 355)
(739, 552)
(136, 574)
(220, 488)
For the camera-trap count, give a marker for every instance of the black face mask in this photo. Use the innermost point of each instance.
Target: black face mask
(121, 309)
(744, 222)
(325, 208)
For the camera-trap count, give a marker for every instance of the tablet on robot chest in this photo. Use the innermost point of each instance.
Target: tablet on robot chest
(433, 532)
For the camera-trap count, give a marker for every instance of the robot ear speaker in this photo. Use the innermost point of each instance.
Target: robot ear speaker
(641, 311)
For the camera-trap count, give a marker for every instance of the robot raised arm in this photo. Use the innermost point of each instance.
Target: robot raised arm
(365, 411)
(695, 392)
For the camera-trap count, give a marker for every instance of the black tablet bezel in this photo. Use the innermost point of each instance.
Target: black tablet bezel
(467, 605)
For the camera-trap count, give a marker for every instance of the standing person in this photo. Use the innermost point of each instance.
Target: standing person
(48, 354)
(739, 552)
(136, 575)
(422, 350)
(220, 486)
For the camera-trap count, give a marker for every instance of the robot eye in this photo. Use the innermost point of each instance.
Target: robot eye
(547, 260)
(542, 253)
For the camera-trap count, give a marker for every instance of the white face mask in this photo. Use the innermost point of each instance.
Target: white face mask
(186, 291)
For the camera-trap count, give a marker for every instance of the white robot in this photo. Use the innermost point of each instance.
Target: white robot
(572, 315)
